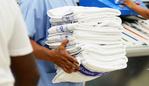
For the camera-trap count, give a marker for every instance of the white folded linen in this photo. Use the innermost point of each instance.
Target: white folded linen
(59, 38)
(95, 40)
(95, 10)
(68, 10)
(77, 77)
(61, 29)
(84, 35)
(95, 18)
(95, 48)
(103, 27)
(78, 34)
(71, 14)
(55, 45)
(87, 74)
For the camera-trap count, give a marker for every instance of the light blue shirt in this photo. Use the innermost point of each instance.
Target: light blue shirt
(35, 15)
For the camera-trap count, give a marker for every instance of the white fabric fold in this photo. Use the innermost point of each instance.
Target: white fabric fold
(95, 39)
(71, 14)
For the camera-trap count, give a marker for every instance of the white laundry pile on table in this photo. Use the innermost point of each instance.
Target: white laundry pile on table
(136, 33)
(144, 23)
(94, 40)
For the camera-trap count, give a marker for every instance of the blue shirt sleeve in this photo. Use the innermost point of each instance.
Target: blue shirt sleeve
(35, 15)
(26, 8)
(60, 3)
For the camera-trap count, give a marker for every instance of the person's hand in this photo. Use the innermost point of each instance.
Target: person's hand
(63, 59)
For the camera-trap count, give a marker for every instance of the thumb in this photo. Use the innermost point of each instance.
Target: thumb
(64, 43)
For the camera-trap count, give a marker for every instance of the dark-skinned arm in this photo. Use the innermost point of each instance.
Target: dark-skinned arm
(59, 56)
(25, 70)
(140, 10)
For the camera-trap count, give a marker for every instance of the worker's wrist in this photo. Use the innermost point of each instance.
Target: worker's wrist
(131, 5)
(49, 54)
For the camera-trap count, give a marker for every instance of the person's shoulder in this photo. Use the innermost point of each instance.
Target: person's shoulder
(39, 4)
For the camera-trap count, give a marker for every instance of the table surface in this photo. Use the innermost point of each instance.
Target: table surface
(137, 51)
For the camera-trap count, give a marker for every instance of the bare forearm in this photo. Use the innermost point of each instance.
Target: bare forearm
(41, 52)
(59, 56)
(140, 10)
(25, 70)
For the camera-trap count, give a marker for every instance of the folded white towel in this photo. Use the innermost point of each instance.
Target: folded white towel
(66, 10)
(95, 48)
(77, 77)
(104, 29)
(95, 10)
(98, 27)
(92, 35)
(104, 67)
(56, 44)
(94, 18)
(60, 38)
(61, 29)
(85, 74)
(95, 40)
(71, 14)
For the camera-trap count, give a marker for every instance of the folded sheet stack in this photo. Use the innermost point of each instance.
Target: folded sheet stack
(94, 36)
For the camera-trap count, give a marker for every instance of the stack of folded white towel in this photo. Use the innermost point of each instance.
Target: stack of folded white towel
(94, 36)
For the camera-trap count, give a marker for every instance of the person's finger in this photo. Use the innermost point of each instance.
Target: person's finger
(64, 43)
(72, 66)
(63, 66)
(74, 60)
(69, 63)
(67, 70)
(71, 58)
(76, 70)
